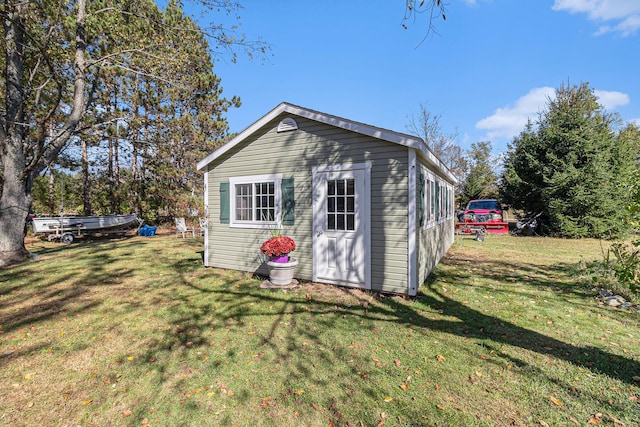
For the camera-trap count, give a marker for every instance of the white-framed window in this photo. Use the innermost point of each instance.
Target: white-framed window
(444, 202)
(255, 201)
(430, 205)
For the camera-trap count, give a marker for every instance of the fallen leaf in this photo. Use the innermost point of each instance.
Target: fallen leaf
(573, 420)
(440, 407)
(634, 398)
(555, 401)
(126, 413)
(440, 358)
(314, 406)
(299, 391)
(542, 423)
(86, 402)
(595, 419)
(437, 387)
(615, 420)
(404, 387)
(388, 399)
(397, 362)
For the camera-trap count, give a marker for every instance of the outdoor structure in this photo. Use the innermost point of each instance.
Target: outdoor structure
(367, 207)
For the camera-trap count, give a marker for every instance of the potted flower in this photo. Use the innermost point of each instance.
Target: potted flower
(281, 265)
(278, 248)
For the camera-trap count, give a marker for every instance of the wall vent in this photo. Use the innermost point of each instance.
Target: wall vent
(287, 125)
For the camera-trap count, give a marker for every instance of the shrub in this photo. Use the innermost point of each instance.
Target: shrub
(619, 271)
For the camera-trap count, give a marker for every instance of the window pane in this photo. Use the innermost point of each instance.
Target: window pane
(340, 187)
(331, 222)
(351, 204)
(351, 187)
(331, 204)
(340, 207)
(244, 205)
(331, 187)
(340, 222)
(351, 221)
(264, 201)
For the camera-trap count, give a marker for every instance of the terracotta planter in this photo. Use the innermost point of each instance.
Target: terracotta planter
(281, 273)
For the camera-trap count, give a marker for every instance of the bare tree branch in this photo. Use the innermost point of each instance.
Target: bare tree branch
(433, 8)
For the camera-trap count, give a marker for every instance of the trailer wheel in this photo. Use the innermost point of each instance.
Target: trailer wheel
(67, 238)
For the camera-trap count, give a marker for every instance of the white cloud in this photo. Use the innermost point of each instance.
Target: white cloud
(635, 121)
(611, 99)
(621, 16)
(508, 122)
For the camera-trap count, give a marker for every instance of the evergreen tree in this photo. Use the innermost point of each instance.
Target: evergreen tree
(571, 166)
(481, 180)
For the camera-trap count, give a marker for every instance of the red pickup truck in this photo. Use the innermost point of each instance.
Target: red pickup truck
(484, 216)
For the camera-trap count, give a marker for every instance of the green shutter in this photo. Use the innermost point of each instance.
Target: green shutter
(288, 202)
(421, 199)
(224, 203)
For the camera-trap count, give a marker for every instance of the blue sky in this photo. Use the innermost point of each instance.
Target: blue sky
(492, 64)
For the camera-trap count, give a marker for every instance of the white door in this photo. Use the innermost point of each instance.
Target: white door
(341, 225)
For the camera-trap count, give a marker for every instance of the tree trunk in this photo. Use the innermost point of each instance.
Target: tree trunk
(16, 187)
(52, 191)
(86, 187)
(17, 184)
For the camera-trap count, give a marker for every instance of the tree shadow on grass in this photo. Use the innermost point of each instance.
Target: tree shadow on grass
(471, 323)
(296, 335)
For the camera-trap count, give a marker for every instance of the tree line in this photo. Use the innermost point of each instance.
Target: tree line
(575, 164)
(107, 106)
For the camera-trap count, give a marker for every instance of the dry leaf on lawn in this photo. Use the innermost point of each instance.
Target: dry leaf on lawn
(555, 401)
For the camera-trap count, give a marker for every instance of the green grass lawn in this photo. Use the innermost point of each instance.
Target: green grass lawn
(136, 332)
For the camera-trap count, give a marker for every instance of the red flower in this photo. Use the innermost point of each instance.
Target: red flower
(278, 246)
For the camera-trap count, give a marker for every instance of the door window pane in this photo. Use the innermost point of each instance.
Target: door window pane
(341, 204)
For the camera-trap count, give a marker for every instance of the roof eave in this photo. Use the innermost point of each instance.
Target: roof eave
(372, 131)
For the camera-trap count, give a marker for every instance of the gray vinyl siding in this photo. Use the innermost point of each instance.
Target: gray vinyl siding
(433, 242)
(294, 154)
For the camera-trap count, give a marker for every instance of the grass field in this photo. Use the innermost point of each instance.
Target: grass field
(136, 332)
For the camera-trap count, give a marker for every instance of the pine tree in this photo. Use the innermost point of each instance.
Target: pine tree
(571, 166)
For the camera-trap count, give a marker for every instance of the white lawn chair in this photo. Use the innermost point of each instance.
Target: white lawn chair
(181, 228)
